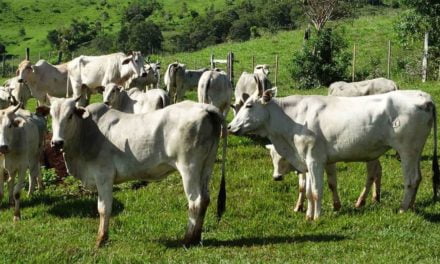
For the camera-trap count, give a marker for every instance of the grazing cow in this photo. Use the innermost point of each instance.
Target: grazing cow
(21, 143)
(248, 83)
(216, 89)
(134, 100)
(313, 131)
(103, 147)
(42, 78)
(178, 80)
(150, 81)
(95, 72)
(281, 167)
(368, 87)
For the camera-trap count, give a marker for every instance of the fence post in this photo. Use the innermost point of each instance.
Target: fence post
(389, 60)
(60, 56)
(212, 62)
(425, 58)
(253, 63)
(276, 70)
(39, 55)
(4, 65)
(27, 54)
(354, 63)
(230, 61)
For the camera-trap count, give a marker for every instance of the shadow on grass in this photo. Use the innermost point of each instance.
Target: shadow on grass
(82, 207)
(259, 241)
(34, 200)
(428, 216)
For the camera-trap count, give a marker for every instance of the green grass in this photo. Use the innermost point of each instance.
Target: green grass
(59, 224)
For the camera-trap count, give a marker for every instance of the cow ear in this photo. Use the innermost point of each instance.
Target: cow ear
(34, 69)
(82, 112)
(17, 72)
(127, 60)
(18, 122)
(268, 95)
(42, 110)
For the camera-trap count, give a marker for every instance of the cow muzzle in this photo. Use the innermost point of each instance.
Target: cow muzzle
(4, 149)
(234, 131)
(144, 74)
(277, 177)
(57, 144)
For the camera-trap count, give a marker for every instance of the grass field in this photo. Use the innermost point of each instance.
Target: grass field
(59, 224)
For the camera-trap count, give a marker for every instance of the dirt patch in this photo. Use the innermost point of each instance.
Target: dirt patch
(53, 159)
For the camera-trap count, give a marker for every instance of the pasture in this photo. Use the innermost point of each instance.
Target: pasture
(59, 224)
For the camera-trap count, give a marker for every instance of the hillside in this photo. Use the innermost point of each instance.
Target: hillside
(40, 16)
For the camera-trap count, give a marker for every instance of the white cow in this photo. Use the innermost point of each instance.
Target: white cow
(247, 84)
(216, 89)
(89, 74)
(21, 143)
(103, 147)
(134, 100)
(178, 80)
(281, 167)
(41, 79)
(368, 87)
(313, 131)
(6, 97)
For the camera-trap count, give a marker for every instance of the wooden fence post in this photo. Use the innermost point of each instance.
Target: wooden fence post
(389, 60)
(212, 62)
(425, 58)
(230, 61)
(27, 53)
(60, 56)
(354, 63)
(276, 70)
(4, 65)
(253, 63)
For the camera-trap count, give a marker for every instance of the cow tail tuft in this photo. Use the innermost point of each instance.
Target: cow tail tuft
(435, 167)
(221, 201)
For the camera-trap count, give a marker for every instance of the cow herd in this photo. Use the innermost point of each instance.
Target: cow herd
(142, 132)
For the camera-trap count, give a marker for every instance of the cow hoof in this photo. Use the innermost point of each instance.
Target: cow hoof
(336, 206)
(298, 208)
(401, 211)
(190, 241)
(16, 218)
(278, 178)
(309, 218)
(101, 240)
(360, 204)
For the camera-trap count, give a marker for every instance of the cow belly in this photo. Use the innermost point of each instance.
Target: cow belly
(362, 151)
(156, 173)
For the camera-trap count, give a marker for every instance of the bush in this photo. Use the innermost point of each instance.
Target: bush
(240, 30)
(321, 60)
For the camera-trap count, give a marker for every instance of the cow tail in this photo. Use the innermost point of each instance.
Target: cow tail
(219, 124)
(435, 167)
(204, 91)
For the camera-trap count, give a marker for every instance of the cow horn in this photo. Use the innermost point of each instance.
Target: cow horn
(16, 108)
(13, 99)
(77, 98)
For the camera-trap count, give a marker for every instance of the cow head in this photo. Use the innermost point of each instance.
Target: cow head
(9, 121)
(252, 116)
(280, 165)
(111, 94)
(65, 115)
(25, 69)
(262, 68)
(133, 65)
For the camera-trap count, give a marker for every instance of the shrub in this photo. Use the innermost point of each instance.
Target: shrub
(321, 60)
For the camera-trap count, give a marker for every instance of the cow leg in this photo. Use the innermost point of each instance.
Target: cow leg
(17, 190)
(11, 184)
(105, 201)
(314, 189)
(412, 177)
(35, 175)
(372, 172)
(196, 190)
(377, 181)
(302, 192)
(333, 185)
(2, 182)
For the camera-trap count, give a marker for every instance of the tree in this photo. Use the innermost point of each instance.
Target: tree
(145, 37)
(319, 11)
(2, 48)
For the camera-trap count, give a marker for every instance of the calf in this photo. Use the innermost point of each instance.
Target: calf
(313, 131)
(103, 147)
(281, 167)
(134, 100)
(216, 89)
(21, 143)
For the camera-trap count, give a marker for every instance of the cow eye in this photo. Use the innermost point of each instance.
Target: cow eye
(248, 105)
